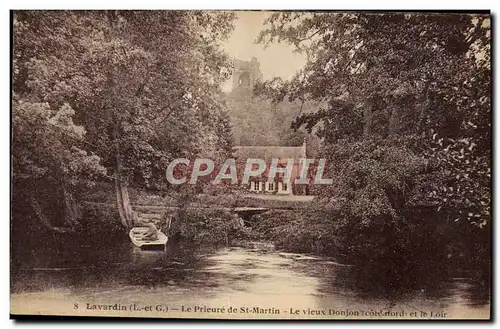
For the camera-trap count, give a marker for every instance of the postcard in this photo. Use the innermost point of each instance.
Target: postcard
(320, 165)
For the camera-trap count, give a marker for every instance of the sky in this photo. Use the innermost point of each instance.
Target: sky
(277, 60)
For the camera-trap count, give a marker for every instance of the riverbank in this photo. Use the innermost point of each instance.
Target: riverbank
(212, 258)
(306, 227)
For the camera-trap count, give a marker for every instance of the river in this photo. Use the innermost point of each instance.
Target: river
(233, 282)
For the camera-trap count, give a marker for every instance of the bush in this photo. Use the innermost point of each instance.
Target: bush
(98, 221)
(206, 226)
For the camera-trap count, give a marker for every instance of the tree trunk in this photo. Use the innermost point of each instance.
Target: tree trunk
(367, 117)
(44, 220)
(423, 109)
(122, 197)
(128, 217)
(394, 121)
(72, 213)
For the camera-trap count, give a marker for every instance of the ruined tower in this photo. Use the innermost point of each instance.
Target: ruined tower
(246, 73)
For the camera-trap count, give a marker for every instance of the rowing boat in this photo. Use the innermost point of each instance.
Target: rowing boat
(136, 234)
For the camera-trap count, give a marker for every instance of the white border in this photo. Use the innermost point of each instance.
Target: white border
(185, 4)
(255, 4)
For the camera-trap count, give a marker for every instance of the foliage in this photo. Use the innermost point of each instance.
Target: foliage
(142, 87)
(382, 76)
(256, 120)
(48, 145)
(463, 190)
(376, 178)
(206, 226)
(297, 231)
(404, 115)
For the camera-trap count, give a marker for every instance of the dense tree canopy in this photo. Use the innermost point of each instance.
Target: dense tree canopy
(406, 106)
(116, 94)
(405, 120)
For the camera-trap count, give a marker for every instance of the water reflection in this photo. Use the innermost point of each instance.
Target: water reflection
(257, 275)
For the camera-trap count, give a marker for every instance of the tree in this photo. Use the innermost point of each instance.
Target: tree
(48, 152)
(143, 84)
(404, 115)
(388, 75)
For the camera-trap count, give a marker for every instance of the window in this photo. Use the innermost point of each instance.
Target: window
(244, 80)
(270, 186)
(255, 186)
(284, 187)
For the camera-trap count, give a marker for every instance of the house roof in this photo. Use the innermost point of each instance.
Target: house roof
(267, 152)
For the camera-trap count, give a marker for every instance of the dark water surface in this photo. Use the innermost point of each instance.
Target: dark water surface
(254, 276)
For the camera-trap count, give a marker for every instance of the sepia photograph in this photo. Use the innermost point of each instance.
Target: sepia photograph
(246, 164)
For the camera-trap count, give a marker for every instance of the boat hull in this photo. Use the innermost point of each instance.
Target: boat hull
(158, 244)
